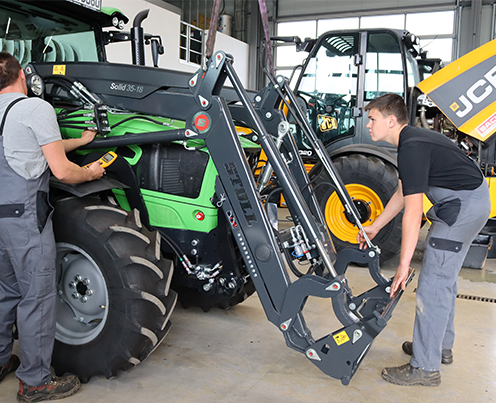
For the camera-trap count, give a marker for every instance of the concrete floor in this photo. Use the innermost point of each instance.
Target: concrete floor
(238, 356)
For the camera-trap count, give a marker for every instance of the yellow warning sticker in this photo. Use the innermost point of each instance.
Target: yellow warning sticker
(58, 69)
(341, 338)
(327, 123)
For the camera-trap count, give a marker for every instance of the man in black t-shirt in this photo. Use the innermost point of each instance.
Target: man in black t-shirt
(428, 163)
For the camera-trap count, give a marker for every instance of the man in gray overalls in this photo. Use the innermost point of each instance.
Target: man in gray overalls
(30, 142)
(431, 164)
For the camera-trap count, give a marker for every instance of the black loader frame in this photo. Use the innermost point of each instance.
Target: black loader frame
(210, 118)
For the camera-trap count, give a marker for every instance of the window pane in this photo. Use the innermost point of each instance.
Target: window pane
(441, 48)
(396, 21)
(384, 68)
(329, 87)
(287, 56)
(337, 23)
(436, 23)
(303, 29)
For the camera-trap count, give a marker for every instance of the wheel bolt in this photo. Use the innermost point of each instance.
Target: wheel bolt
(75, 295)
(89, 292)
(84, 299)
(86, 281)
(77, 278)
(72, 284)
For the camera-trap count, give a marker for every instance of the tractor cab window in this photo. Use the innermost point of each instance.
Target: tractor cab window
(383, 66)
(329, 87)
(34, 37)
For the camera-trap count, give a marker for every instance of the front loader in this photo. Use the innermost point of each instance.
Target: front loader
(180, 208)
(263, 250)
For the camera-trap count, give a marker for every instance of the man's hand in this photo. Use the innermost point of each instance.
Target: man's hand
(87, 136)
(371, 232)
(399, 280)
(96, 170)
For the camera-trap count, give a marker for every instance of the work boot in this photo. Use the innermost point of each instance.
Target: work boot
(57, 388)
(11, 366)
(406, 375)
(446, 354)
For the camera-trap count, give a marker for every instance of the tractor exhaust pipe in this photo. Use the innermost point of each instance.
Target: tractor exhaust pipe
(138, 38)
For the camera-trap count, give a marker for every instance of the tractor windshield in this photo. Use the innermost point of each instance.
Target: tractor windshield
(34, 35)
(329, 86)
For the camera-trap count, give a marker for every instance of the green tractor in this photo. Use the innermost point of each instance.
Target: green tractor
(122, 242)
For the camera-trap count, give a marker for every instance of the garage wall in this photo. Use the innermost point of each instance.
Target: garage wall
(166, 23)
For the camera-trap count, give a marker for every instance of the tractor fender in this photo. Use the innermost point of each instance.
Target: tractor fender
(87, 188)
(365, 149)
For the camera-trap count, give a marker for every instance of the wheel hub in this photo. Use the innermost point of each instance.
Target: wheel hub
(364, 211)
(81, 288)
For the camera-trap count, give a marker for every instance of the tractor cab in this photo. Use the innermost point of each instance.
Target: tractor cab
(347, 69)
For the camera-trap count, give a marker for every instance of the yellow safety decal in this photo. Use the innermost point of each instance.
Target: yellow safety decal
(58, 69)
(465, 91)
(341, 338)
(327, 123)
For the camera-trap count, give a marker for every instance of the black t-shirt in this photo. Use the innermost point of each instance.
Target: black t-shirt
(427, 158)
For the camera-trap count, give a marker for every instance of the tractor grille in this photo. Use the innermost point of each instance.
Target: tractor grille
(172, 169)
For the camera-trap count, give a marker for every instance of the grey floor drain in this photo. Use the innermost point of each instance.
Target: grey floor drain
(472, 297)
(476, 298)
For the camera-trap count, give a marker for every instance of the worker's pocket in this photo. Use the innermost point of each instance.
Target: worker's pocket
(44, 282)
(43, 209)
(446, 245)
(448, 210)
(13, 229)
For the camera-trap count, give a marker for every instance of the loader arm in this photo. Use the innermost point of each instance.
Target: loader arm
(340, 353)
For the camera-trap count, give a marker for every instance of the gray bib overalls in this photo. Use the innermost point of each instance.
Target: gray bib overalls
(27, 272)
(457, 216)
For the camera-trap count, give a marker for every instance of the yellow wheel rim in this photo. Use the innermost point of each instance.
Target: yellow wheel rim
(336, 218)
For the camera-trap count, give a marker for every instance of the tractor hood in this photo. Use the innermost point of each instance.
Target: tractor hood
(465, 91)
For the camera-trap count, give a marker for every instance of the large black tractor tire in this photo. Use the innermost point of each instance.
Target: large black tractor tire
(371, 182)
(114, 301)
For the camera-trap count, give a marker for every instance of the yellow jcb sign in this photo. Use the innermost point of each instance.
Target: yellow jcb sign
(465, 91)
(327, 123)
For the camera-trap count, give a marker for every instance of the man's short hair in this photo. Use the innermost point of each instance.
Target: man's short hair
(9, 69)
(390, 104)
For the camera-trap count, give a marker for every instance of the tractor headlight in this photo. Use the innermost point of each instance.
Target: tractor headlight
(36, 85)
(34, 82)
(118, 23)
